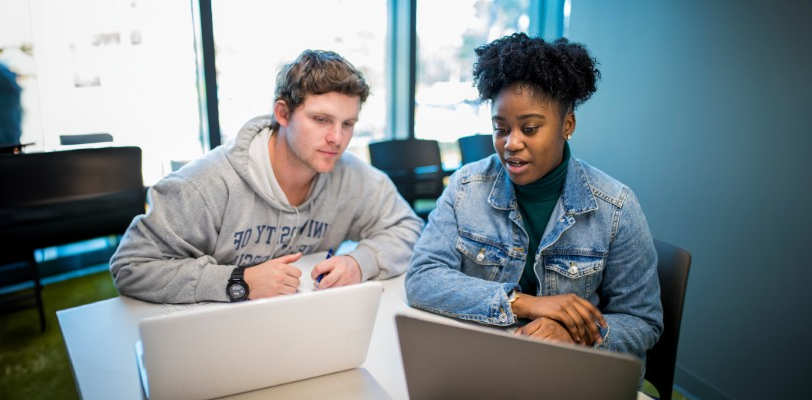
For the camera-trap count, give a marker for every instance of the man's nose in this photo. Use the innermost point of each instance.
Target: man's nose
(335, 133)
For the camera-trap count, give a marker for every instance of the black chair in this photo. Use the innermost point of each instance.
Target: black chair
(475, 147)
(60, 197)
(672, 269)
(414, 165)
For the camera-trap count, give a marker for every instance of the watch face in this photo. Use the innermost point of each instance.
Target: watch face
(236, 291)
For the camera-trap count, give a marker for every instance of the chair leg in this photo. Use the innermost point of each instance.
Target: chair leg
(38, 293)
(32, 262)
(23, 270)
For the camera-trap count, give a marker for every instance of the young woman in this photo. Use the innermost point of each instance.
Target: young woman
(533, 236)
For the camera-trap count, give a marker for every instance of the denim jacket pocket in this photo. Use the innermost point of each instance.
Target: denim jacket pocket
(482, 258)
(577, 274)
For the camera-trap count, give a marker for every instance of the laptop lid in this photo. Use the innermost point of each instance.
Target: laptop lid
(456, 361)
(222, 349)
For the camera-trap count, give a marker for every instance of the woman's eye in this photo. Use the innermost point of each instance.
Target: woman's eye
(499, 131)
(529, 130)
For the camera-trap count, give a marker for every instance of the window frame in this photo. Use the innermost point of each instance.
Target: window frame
(401, 62)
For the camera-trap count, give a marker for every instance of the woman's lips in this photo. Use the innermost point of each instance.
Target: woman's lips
(515, 165)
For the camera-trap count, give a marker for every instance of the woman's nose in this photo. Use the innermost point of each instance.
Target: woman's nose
(513, 142)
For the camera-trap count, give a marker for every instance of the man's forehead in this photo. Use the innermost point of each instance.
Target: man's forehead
(334, 104)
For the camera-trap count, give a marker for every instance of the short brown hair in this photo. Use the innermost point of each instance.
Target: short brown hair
(317, 72)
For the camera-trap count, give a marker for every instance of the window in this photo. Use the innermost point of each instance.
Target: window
(125, 68)
(120, 67)
(446, 102)
(253, 39)
(128, 67)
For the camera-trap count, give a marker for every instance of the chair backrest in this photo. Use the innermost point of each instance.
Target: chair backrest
(87, 138)
(53, 198)
(672, 269)
(414, 165)
(475, 147)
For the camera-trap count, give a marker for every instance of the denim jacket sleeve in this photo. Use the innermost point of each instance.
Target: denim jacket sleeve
(630, 291)
(434, 281)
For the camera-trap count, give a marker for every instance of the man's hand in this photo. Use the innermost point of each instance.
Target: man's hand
(338, 271)
(546, 329)
(273, 277)
(577, 315)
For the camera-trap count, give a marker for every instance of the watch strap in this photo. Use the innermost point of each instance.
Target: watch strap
(238, 274)
(513, 295)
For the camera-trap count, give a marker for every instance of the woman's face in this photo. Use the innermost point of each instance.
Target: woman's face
(528, 133)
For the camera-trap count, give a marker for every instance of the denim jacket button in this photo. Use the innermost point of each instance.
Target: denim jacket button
(573, 270)
(503, 317)
(481, 255)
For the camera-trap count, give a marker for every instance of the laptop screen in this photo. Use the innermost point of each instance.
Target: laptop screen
(455, 361)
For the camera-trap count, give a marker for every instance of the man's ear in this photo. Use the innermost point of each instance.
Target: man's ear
(281, 112)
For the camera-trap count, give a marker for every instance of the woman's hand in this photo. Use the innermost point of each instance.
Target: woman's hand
(577, 315)
(546, 329)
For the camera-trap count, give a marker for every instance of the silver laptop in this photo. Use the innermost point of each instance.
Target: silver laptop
(456, 361)
(222, 349)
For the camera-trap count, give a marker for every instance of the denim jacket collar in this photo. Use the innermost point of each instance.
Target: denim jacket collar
(577, 197)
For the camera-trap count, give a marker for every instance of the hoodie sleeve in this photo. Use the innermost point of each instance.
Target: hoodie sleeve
(163, 255)
(385, 227)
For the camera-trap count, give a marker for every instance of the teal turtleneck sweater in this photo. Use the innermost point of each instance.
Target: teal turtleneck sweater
(536, 203)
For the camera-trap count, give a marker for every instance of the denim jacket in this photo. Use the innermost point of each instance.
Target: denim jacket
(597, 245)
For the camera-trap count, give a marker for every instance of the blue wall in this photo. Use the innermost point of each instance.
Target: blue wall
(704, 110)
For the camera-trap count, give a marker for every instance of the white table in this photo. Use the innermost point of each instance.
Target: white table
(100, 339)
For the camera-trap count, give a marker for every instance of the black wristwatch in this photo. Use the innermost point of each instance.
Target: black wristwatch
(237, 289)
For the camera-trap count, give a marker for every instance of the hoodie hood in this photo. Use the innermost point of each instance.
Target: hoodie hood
(248, 154)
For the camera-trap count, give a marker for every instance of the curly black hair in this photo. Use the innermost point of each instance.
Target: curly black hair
(561, 71)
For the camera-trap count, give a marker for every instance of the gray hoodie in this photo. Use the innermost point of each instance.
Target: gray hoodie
(226, 209)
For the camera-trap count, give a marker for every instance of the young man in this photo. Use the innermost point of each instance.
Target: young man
(227, 226)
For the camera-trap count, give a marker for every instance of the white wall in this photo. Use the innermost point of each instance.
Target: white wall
(703, 111)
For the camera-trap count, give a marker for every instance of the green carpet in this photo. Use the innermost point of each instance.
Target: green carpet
(35, 365)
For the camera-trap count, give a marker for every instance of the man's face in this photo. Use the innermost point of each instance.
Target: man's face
(319, 130)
